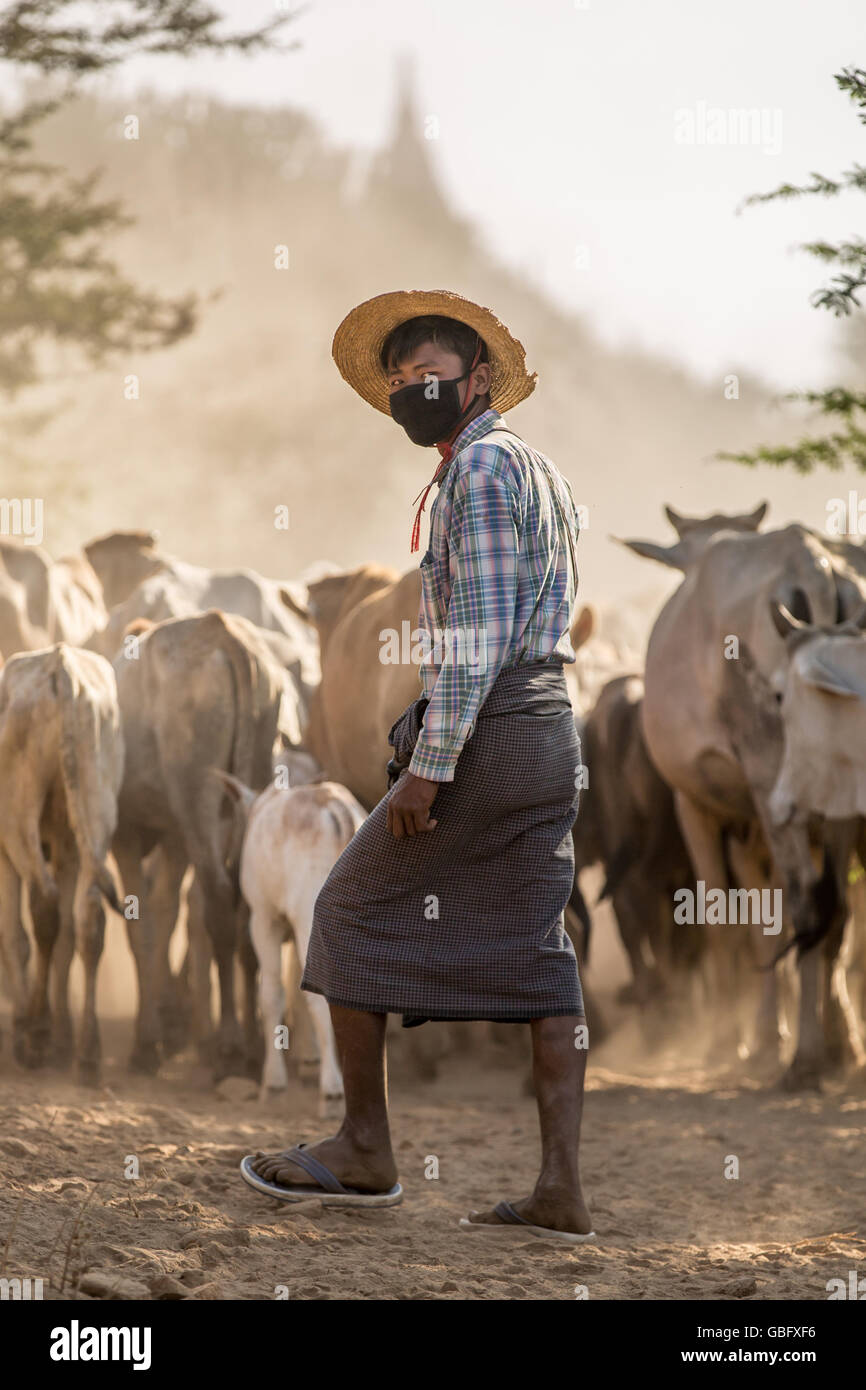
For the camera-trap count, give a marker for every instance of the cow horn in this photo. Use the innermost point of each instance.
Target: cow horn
(295, 605)
(583, 627)
(857, 621)
(783, 619)
(681, 524)
(670, 555)
(236, 789)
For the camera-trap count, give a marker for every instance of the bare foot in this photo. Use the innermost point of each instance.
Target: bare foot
(556, 1212)
(362, 1169)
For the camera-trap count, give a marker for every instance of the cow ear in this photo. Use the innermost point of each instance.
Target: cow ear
(816, 672)
(583, 627)
(320, 593)
(754, 519)
(680, 523)
(671, 555)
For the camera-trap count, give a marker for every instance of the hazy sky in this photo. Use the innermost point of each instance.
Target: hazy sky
(582, 138)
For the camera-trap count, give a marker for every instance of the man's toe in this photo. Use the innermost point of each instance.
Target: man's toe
(485, 1218)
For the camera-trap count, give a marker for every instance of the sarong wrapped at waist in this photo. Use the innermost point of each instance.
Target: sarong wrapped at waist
(465, 921)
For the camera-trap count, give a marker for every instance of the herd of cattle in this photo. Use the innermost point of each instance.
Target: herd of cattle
(179, 745)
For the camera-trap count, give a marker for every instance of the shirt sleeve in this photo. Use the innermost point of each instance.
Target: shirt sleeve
(484, 544)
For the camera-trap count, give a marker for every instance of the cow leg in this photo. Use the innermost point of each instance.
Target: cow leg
(221, 922)
(89, 919)
(841, 1035)
(303, 1039)
(771, 1030)
(808, 898)
(632, 910)
(330, 1073)
(205, 836)
(791, 855)
(164, 877)
(200, 957)
(14, 952)
(702, 834)
(678, 951)
(854, 1030)
(841, 1031)
(62, 1031)
(576, 922)
(330, 1076)
(267, 941)
(658, 933)
(808, 1061)
(254, 1042)
(45, 916)
(749, 869)
(849, 974)
(855, 973)
(229, 1057)
(139, 931)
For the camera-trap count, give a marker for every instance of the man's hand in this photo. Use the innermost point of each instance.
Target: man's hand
(409, 807)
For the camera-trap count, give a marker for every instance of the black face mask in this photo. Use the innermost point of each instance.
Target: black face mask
(427, 420)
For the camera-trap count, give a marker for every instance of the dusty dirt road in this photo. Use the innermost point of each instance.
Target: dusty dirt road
(656, 1144)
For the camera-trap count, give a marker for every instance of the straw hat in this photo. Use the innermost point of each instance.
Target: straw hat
(359, 340)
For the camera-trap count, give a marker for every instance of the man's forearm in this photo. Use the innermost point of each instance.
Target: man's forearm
(449, 719)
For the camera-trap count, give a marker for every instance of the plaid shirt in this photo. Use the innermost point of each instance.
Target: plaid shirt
(496, 582)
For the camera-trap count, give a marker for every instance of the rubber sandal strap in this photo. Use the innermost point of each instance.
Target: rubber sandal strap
(311, 1165)
(506, 1213)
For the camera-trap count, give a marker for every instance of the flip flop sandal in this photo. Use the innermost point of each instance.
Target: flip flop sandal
(513, 1224)
(330, 1192)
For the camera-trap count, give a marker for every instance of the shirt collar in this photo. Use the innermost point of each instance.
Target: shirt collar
(476, 429)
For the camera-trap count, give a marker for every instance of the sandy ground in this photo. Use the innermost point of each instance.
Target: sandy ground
(659, 1127)
(670, 1225)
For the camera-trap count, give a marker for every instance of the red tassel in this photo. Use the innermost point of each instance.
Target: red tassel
(447, 452)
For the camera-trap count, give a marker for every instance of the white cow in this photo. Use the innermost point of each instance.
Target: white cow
(823, 700)
(294, 835)
(823, 772)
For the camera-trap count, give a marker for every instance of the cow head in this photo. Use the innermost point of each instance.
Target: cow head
(719, 521)
(694, 532)
(29, 566)
(122, 560)
(823, 707)
(331, 598)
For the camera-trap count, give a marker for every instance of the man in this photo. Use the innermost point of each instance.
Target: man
(448, 902)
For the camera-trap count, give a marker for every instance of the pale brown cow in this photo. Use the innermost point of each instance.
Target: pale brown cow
(195, 694)
(139, 582)
(61, 761)
(44, 601)
(361, 694)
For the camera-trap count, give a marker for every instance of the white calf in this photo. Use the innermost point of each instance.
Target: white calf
(293, 838)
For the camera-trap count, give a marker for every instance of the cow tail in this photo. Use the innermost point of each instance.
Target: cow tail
(245, 676)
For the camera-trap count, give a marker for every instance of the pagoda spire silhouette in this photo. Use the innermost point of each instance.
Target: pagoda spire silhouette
(405, 166)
